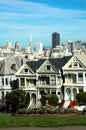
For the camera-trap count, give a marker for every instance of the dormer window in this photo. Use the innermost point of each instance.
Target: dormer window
(13, 67)
(26, 70)
(48, 67)
(75, 64)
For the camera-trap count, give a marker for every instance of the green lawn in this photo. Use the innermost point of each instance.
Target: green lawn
(7, 120)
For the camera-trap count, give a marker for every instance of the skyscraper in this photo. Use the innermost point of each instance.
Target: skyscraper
(55, 39)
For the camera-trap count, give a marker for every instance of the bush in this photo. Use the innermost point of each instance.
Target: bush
(42, 110)
(2, 107)
(21, 111)
(68, 111)
(53, 100)
(56, 111)
(49, 111)
(81, 98)
(42, 100)
(15, 99)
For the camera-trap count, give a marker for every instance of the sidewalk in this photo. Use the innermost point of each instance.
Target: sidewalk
(51, 128)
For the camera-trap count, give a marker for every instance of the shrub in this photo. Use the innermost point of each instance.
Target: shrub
(42, 100)
(30, 111)
(68, 111)
(49, 111)
(56, 111)
(21, 111)
(42, 110)
(81, 98)
(53, 100)
(15, 99)
(2, 107)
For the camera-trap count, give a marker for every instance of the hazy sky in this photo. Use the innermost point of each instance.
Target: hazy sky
(19, 18)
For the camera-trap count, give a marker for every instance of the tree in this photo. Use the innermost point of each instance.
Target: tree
(53, 100)
(81, 98)
(15, 99)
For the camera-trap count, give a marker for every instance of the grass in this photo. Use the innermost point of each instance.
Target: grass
(7, 120)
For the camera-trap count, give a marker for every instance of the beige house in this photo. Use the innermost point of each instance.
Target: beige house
(74, 73)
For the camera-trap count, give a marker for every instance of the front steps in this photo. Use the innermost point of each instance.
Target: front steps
(67, 103)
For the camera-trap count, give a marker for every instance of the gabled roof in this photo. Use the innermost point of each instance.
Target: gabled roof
(34, 65)
(6, 65)
(58, 63)
(81, 58)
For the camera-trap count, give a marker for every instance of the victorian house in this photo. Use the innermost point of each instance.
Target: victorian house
(74, 73)
(42, 76)
(8, 68)
(64, 77)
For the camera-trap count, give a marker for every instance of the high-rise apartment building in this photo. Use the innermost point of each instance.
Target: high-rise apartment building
(55, 39)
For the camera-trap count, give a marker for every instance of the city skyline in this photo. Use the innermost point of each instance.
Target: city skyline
(41, 18)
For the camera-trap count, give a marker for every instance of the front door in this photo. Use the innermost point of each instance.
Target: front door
(68, 94)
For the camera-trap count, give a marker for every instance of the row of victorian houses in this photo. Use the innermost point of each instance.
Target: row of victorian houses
(64, 77)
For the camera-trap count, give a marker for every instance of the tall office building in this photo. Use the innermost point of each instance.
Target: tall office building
(55, 39)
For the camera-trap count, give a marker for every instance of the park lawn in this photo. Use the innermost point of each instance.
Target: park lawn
(7, 120)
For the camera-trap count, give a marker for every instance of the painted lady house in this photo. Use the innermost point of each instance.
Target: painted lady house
(8, 68)
(64, 77)
(44, 75)
(74, 74)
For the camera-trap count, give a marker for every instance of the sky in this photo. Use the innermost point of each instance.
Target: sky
(20, 18)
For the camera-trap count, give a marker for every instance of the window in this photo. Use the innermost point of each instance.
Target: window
(22, 81)
(75, 64)
(69, 77)
(80, 77)
(53, 79)
(58, 93)
(43, 80)
(3, 81)
(48, 67)
(26, 70)
(41, 91)
(2, 94)
(6, 81)
(47, 80)
(53, 91)
(80, 89)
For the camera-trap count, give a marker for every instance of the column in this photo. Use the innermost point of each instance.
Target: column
(76, 77)
(83, 77)
(64, 93)
(19, 82)
(25, 82)
(4, 81)
(72, 95)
